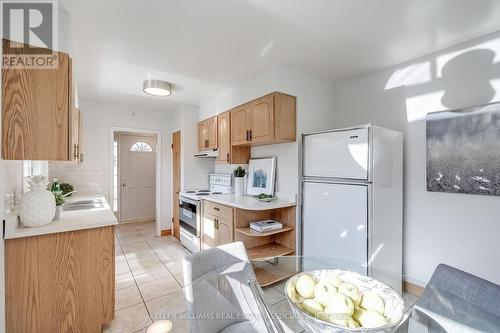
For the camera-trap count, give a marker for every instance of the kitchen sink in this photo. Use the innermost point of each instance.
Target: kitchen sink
(83, 205)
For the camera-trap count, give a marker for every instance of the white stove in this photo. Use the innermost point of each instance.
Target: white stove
(190, 209)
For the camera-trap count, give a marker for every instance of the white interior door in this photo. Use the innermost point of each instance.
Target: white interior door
(339, 154)
(137, 177)
(334, 221)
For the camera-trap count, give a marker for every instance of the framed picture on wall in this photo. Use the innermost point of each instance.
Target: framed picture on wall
(463, 150)
(261, 176)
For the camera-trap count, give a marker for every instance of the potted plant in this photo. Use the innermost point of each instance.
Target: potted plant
(66, 188)
(59, 202)
(239, 174)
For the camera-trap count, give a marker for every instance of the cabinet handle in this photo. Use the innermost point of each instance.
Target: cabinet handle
(250, 134)
(216, 223)
(248, 137)
(227, 157)
(216, 208)
(206, 143)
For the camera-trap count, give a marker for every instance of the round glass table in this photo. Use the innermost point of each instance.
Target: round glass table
(250, 297)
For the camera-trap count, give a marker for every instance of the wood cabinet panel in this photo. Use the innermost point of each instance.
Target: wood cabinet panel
(223, 137)
(262, 120)
(240, 125)
(285, 116)
(212, 132)
(227, 153)
(75, 134)
(225, 232)
(202, 135)
(60, 282)
(207, 134)
(208, 238)
(36, 111)
(217, 210)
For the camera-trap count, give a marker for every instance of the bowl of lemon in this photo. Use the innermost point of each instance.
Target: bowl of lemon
(341, 301)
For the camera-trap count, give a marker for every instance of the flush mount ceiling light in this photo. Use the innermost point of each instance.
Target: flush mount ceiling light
(157, 87)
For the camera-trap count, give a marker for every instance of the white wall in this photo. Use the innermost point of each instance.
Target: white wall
(194, 171)
(458, 229)
(93, 175)
(314, 113)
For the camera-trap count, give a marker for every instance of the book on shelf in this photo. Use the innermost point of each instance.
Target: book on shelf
(265, 225)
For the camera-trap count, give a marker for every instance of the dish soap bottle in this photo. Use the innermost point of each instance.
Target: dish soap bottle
(56, 188)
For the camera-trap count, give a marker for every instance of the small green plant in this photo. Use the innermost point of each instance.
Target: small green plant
(239, 172)
(59, 199)
(66, 188)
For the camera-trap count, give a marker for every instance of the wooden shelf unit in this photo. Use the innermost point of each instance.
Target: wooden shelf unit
(263, 246)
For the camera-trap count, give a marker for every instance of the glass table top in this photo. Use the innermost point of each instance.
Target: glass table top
(233, 298)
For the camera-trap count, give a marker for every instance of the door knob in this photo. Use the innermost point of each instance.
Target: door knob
(124, 185)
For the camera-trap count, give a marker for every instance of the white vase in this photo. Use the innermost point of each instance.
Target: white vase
(239, 184)
(38, 206)
(57, 216)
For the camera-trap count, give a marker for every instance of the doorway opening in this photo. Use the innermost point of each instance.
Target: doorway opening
(135, 184)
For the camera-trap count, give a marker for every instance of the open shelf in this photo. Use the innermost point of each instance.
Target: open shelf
(266, 251)
(253, 233)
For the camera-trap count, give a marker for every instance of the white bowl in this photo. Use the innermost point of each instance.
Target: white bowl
(394, 304)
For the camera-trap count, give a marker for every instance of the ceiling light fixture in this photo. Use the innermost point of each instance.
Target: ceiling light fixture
(157, 87)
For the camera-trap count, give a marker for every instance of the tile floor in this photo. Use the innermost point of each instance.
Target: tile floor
(149, 282)
(148, 279)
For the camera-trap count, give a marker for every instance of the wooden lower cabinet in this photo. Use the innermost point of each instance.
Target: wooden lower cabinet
(216, 231)
(61, 282)
(217, 225)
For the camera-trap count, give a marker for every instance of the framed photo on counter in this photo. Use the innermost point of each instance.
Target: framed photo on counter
(261, 175)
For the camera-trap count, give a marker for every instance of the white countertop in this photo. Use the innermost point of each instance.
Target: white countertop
(71, 220)
(247, 202)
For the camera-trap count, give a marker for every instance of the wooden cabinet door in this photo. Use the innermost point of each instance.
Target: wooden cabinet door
(262, 119)
(224, 232)
(223, 137)
(36, 111)
(212, 132)
(203, 135)
(62, 282)
(75, 134)
(240, 125)
(209, 235)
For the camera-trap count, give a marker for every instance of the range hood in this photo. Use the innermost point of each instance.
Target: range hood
(212, 153)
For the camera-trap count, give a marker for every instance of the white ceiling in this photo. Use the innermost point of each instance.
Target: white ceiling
(205, 46)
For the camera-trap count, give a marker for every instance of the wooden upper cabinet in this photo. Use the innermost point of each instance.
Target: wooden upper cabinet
(265, 120)
(240, 125)
(212, 132)
(261, 113)
(285, 118)
(36, 111)
(203, 135)
(223, 137)
(207, 134)
(227, 153)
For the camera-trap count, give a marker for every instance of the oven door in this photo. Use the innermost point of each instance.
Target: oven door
(189, 211)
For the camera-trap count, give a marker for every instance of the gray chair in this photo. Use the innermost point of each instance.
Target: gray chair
(454, 300)
(210, 295)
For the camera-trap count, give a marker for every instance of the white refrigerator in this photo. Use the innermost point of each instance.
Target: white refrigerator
(351, 200)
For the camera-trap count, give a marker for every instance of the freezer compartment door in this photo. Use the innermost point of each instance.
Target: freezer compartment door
(334, 221)
(339, 154)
